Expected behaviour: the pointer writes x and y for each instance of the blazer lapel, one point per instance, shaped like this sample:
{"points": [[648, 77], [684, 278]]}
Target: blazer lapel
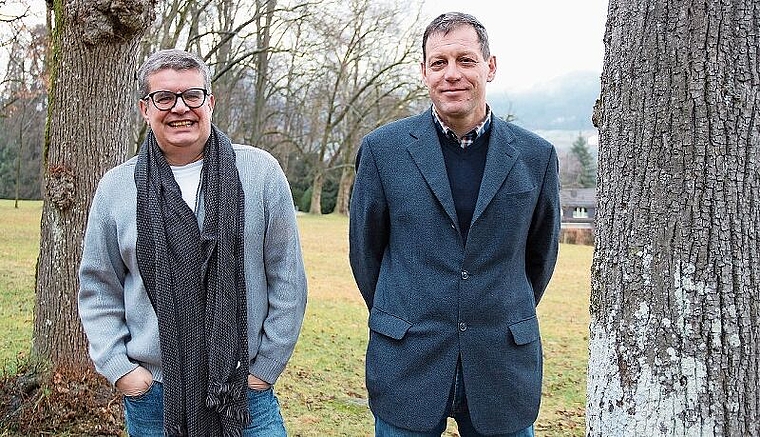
{"points": [[427, 155], [499, 161]]}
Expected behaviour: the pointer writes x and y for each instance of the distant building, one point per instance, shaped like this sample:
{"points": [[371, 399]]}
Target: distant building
{"points": [[578, 207]]}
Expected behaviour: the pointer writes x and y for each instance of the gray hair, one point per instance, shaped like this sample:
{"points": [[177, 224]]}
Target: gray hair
{"points": [[449, 21], [172, 59]]}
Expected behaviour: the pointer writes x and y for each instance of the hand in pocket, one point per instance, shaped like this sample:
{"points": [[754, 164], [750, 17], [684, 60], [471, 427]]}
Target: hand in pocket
{"points": [[136, 382], [257, 384]]}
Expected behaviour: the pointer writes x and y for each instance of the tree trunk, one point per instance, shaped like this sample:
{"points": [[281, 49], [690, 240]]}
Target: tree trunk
{"points": [[266, 10], [344, 190], [346, 182], [675, 308], [316, 192], [19, 158], [91, 93]]}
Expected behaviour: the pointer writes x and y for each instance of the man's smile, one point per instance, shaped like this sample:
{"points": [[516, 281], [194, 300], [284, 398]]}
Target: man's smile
{"points": [[183, 123]]}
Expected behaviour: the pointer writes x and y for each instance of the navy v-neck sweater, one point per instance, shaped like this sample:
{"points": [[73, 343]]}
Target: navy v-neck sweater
{"points": [[465, 170]]}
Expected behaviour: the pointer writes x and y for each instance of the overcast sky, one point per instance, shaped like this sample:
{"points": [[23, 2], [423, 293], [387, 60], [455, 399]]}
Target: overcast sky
{"points": [[533, 40], [536, 40]]}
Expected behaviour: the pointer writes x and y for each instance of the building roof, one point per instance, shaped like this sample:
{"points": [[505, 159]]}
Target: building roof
{"points": [[585, 197]]}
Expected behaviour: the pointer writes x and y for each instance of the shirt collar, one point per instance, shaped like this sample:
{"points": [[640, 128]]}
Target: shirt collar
{"points": [[468, 138]]}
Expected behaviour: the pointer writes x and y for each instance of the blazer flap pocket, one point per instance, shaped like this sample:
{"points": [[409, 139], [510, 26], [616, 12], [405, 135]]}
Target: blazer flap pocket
{"points": [[525, 331], [521, 190], [388, 324]]}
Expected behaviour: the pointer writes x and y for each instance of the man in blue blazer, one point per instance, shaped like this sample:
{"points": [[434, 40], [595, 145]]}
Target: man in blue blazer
{"points": [[454, 227]]}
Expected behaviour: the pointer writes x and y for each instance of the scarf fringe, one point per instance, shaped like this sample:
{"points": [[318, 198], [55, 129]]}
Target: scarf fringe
{"points": [[176, 431], [233, 433], [229, 400], [179, 431]]}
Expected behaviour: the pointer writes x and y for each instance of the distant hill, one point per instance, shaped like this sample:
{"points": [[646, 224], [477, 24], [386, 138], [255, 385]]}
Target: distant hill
{"points": [[564, 103]]}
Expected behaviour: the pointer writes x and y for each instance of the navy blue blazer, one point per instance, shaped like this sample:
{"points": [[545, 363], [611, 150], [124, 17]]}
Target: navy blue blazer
{"points": [[434, 299]]}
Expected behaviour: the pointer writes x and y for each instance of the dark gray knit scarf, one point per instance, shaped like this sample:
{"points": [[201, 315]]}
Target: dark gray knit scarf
{"points": [[195, 281]]}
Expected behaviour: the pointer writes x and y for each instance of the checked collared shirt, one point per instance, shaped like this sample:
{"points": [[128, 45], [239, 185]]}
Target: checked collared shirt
{"points": [[468, 138]]}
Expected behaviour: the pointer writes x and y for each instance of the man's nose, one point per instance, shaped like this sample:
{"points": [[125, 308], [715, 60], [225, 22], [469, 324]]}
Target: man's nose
{"points": [[180, 106], [452, 72]]}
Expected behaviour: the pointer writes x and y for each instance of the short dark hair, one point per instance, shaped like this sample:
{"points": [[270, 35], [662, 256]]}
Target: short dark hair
{"points": [[172, 59], [449, 21]]}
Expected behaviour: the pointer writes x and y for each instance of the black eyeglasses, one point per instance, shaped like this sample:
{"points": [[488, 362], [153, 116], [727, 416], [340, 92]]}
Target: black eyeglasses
{"points": [[166, 100]]}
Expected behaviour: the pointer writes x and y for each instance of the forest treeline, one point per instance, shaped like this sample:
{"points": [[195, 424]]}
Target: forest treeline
{"points": [[302, 80]]}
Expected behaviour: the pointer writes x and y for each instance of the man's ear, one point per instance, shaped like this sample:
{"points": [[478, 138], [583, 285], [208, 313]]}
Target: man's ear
{"points": [[491, 68], [423, 72], [143, 109]]}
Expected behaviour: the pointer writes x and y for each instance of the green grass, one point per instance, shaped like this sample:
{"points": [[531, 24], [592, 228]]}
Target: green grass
{"points": [[322, 390], [19, 245]]}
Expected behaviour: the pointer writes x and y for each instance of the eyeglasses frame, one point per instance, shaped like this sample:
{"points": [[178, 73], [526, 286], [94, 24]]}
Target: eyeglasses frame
{"points": [[177, 96]]}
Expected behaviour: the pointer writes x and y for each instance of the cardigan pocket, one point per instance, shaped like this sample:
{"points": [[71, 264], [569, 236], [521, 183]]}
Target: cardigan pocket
{"points": [[387, 324], [525, 331]]}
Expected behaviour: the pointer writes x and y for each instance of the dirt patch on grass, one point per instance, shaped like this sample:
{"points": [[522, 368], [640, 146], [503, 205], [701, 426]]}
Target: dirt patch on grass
{"points": [[36, 402], [565, 422]]}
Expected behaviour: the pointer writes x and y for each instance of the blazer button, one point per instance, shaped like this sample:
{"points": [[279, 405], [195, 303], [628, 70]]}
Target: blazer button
{"points": [[465, 275], [462, 326]]}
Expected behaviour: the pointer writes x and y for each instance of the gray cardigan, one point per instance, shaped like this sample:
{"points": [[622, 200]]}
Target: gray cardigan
{"points": [[117, 315]]}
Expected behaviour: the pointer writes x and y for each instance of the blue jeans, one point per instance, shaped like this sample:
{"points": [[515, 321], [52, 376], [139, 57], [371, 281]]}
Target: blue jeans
{"points": [[457, 409], [144, 414]]}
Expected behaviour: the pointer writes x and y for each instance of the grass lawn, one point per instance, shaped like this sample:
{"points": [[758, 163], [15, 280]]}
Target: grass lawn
{"points": [[322, 390], [19, 246]]}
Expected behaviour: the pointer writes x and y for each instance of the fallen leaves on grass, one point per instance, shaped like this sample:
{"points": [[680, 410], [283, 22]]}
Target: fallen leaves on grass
{"points": [[565, 422], [35, 401]]}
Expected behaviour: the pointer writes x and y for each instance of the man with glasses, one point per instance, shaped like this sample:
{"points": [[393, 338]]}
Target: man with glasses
{"points": [[192, 285]]}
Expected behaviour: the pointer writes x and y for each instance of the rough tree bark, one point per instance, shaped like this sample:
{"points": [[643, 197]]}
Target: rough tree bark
{"points": [[92, 90], [675, 309]]}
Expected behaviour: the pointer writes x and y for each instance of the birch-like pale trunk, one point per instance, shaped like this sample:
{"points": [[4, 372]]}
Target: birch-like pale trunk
{"points": [[675, 307]]}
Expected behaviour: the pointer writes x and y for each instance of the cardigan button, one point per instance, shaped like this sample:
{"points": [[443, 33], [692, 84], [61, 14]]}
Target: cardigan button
{"points": [[462, 326], [465, 275]]}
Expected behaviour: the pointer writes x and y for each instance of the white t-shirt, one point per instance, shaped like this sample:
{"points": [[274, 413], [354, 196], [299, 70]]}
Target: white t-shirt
{"points": [[188, 178]]}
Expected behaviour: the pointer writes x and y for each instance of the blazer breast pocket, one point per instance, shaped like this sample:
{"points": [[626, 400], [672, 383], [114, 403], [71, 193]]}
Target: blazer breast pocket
{"points": [[387, 324], [518, 189], [514, 204]]}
